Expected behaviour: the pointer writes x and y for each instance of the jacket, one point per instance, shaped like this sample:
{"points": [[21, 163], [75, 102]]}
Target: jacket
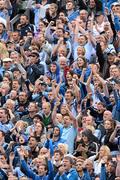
{"points": [[29, 173], [71, 175], [34, 71]]}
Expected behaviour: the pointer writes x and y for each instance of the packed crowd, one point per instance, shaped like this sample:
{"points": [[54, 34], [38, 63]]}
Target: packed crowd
{"points": [[60, 90]]}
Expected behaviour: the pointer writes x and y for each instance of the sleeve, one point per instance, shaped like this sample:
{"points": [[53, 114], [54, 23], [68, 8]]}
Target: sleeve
{"points": [[103, 172], [39, 70], [50, 170], [100, 56], [28, 172], [57, 177], [48, 145], [86, 174]]}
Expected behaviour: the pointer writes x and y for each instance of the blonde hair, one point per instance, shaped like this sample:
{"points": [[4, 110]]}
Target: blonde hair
{"points": [[63, 148], [106, 150], [91, 128]]}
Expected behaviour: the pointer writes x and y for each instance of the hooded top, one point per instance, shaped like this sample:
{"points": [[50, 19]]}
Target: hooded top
{"points": [[54, 145], [56, 75]]}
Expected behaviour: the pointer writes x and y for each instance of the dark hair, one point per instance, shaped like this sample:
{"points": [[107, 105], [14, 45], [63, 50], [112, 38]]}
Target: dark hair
{"points": [[58, 151], [6, 111], [24, 16]]}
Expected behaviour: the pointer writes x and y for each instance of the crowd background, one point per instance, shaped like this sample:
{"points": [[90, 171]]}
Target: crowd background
{"points": [[60, 90]]}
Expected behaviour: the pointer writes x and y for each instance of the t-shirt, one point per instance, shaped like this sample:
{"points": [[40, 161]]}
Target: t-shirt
{"points": [[69, 134]]}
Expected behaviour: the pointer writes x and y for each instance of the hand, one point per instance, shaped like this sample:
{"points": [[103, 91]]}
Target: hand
{"points": [[11, 144], [67, 108], [60, 40], [38, 6], [12, 155], [51, 23], [57, 103], [61, 170], [117, 128], [47, 155], [118, 157], [19, 26], [21, 153]]}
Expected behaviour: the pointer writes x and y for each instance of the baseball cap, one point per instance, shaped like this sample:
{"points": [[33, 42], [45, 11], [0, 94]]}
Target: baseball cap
{"points": [[7, 60]]}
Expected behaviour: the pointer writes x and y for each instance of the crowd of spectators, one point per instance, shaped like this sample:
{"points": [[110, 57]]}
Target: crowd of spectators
{"points": [[60, 90]]}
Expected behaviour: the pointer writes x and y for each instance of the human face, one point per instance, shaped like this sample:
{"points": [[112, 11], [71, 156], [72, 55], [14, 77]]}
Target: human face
{"points": [[1, 28], [14, 56], [62, 51], [89, 120], [61, 15], [52, 9], [33, 58], [67, 121], [43, 151], [107, 115], [100, 108], [46, 108], [41, 25], [59, 33], [1, 136], [7, 65], [92, 4], [2, 4], [117, 9], [111, 69], [3, 116], [79, 166], [36, 120], [10, 104], [89, 165], [6, 80], [57, 156], [69, 6], [32, 142], [107, 125], [62, 62], [15, 36], [13, 95], [41, 39], [15, 85], [80, 62], [56, 131], [67, 165], [111, 58], [116, 72], [53, 68], [85, 139], [63, 109], [23, 20], [81, 40], [68, 96], [41, 170], [59, 118], [100, 19], [32, 107], [101, 152], [50, 96], [112, 99], [110, 168], [80, 51], [17, 75], [38, 127], [83, 15], [68, 76], [22, 97]]}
